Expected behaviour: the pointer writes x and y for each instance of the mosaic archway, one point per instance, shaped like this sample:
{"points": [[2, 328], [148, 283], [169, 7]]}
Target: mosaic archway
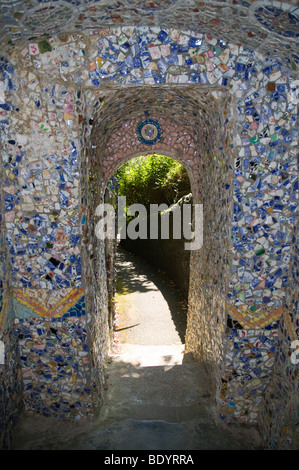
{"points": [[51, 86], [194, 132], [174, 141]]}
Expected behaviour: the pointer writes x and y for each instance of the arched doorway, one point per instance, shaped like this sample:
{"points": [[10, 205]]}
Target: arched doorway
{"points": [[163, 224], [156, 189], [162, 186]]}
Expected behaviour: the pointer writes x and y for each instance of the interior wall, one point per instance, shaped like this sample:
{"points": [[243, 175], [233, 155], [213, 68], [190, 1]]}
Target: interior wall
{"points": [[209, 281]]}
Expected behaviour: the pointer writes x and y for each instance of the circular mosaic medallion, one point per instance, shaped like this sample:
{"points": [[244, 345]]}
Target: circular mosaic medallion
{"points": [[149, 131]]}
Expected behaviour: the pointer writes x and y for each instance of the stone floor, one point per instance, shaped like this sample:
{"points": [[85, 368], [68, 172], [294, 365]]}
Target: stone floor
{"points": [[157, 397]]}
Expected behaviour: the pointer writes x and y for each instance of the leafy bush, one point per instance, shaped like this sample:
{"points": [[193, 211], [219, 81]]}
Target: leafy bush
{"points": [[152, 179]]}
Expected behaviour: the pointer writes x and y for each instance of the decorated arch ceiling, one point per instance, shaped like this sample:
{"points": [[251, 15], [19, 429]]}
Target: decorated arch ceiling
{"points": [[184, 122], [190, 105], [270, 26]]}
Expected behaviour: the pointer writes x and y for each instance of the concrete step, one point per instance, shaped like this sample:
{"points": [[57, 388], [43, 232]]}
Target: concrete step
{"points": [[132, 434], [169, 389]]}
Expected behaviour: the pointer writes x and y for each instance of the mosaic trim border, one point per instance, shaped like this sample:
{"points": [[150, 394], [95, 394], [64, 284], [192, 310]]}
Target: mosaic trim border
{"points": [[259, 319], [59, 309], [289, 326]]}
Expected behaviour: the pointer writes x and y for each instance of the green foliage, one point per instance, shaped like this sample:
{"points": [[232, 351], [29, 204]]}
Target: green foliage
{"points": [[152, 179]]}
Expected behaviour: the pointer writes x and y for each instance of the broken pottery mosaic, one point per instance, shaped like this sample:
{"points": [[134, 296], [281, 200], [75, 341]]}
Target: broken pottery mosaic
{"points": [[85, 87]]}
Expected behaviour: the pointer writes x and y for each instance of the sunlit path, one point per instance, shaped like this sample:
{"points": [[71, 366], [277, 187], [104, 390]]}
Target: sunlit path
{"points": [[151, 315]]}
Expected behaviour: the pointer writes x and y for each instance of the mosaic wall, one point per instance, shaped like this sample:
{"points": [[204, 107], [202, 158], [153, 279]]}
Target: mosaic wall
{"points": [[56, 94], [57, 348], [265, 26], [281, 397]]}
